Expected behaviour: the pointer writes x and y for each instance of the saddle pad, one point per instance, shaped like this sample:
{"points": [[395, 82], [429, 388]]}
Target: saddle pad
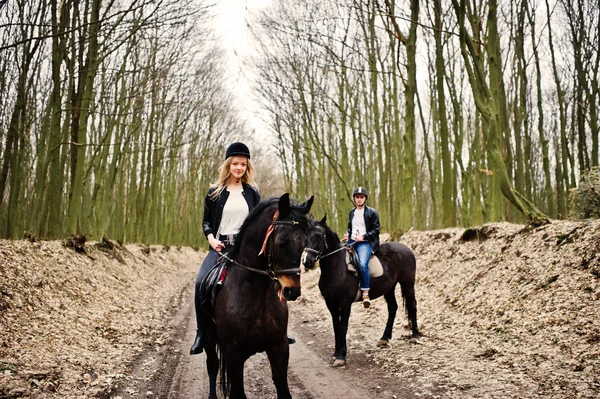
{"points": [[375, 268]]}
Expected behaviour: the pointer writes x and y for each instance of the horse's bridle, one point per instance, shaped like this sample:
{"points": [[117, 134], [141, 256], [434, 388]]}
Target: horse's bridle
{"points": [[268, 246], [319, 252]]}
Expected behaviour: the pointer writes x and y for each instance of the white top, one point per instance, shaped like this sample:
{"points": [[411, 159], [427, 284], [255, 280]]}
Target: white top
{"points": [[234, 213], [358, 224]]}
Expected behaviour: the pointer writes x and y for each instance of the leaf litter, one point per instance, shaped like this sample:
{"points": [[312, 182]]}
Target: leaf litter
{"points": [[505, 311]]}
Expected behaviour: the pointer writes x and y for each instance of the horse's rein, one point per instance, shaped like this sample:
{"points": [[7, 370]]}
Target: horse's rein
{"points": [[318, 253], [264, 272]]}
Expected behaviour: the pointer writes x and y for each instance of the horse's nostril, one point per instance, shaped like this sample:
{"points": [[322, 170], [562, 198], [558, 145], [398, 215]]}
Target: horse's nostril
{"points": [[291, 294]]}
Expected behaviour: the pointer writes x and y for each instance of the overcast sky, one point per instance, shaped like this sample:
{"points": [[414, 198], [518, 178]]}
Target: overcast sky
{"points": [[231, 25]]}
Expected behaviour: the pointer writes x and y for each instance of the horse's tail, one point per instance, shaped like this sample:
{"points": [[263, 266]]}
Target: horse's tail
{"points": [[410, 305], [225, 383], [403, 291]]}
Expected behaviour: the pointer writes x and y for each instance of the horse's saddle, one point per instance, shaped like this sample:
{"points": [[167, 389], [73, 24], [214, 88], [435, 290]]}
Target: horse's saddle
{"points": [[375, 268], [352, 264], [211, 285]]}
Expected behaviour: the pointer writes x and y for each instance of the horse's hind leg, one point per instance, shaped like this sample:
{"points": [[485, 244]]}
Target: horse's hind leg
{"points": [[212, 366], [279, 359], [392, 305], [408, 292]]}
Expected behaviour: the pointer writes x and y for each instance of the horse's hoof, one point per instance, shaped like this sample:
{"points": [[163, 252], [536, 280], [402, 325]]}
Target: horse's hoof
{"points": [[414, 340], [383, 343], [339, 363]]}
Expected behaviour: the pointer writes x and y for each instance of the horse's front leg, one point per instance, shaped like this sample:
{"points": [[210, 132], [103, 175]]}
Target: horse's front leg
{"points": [[343, 333], [212, 366], [334, 310], [340, 315], [235, 374], [279, 357]]}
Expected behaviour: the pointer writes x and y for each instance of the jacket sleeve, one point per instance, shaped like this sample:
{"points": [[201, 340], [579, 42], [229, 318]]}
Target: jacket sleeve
{"points": [[374, 226], [349, 229], [207, 226]]}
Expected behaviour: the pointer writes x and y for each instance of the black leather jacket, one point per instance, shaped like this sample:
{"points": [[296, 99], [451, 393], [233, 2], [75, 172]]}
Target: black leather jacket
{"points": [[213, 209], [372, 224]]}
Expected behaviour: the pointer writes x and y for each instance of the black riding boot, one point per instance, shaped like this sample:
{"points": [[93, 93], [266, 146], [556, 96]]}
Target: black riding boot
{"points": [[197, 347], [291, 340]]}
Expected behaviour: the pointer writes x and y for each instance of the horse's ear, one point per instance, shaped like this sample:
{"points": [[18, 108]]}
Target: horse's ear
{"points": [[324, 220], [306, 206], [284, 206]]}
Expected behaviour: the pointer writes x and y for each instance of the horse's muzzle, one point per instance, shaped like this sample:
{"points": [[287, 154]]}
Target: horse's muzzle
{"points": [[291, 293], [289, 288], [308, 260], [308, 263]]}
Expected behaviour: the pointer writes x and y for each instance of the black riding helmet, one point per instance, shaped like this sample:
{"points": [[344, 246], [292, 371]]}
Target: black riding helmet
{"points": [[237, 149], [360, 190]]}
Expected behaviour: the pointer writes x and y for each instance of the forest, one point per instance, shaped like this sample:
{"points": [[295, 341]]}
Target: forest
{"points": [[114, 114]]}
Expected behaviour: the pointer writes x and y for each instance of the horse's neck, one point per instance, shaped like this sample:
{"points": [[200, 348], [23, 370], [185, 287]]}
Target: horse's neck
{"points": [[334, 263], [239, 278], [245, 282], [250, 262]]}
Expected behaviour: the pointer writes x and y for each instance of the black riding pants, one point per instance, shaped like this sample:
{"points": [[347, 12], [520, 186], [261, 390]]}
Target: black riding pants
{"points": [[211, 259]]}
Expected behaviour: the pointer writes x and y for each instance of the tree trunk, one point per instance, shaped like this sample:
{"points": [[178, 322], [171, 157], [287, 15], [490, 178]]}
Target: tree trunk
{"points": [[485, 102], [449, 218], [562, 185], [74, 220], [549, 194], [53, 206]]}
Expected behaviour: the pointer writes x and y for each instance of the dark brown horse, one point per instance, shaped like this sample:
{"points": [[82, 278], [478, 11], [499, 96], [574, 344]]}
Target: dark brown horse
{"points": [[251, 312], [340, 288]]}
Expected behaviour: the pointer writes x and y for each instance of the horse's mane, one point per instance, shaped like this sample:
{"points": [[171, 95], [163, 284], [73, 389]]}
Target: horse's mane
{"points": [[330, 235], [295, 214]]}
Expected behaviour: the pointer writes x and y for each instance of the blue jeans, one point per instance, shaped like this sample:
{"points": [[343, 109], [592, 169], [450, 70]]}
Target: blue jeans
{"points": [[363, 250]]}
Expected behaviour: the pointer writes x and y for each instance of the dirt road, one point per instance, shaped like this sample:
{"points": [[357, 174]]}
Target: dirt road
{"points": [[171, 373]]}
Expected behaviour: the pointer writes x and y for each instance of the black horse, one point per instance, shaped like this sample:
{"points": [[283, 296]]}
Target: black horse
{"points": [[251, 312], [340, 287]]}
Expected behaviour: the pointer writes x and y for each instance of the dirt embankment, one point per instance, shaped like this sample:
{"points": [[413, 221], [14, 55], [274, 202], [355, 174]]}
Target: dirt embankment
{"points": [[504, 312], [510, 312], [71, 324]]}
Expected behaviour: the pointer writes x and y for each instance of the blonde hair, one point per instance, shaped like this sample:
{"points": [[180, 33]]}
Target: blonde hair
{"points": [[225, 174]]}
